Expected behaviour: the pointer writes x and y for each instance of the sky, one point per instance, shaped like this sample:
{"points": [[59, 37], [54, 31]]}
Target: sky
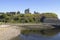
{"points": [[34, 5]]}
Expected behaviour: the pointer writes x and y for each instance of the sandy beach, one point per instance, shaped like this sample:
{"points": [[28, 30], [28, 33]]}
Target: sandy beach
{"points": [[7, 32]]}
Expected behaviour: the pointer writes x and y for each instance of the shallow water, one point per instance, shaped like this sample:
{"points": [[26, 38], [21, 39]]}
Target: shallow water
{"points": [[48, 35]]}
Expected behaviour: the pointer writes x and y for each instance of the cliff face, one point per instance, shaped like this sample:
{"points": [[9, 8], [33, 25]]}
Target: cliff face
{"points": [[51, 20]]}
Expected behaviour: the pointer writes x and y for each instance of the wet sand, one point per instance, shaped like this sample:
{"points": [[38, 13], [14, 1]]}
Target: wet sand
{"points": [[7, 32]]}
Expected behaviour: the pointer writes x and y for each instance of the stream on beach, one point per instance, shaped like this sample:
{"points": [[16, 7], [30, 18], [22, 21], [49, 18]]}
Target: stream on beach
{"points": [[46, 35], [15, 33]]}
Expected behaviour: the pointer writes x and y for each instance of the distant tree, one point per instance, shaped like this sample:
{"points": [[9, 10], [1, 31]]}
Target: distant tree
{"points": [[2, 16], [36, 12], [18, 12], [27, 11], [16, 18], [21, 15], [26, 18]]}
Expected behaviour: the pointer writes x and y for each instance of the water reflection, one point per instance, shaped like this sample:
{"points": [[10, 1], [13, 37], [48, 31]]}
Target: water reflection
{"points": [[50, 32], [45, 35], [17, 38]]}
